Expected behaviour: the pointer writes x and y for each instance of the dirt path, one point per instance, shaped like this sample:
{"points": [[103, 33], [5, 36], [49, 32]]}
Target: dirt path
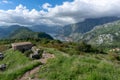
{"points": [[28, 75]]}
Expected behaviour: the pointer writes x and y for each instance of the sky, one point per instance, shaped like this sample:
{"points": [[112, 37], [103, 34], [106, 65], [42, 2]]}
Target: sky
{"points": [[30, 4], [55, 12]]}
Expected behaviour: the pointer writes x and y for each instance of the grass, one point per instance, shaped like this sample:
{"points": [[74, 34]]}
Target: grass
{"points": [[80, 67], [17, 65], [66, 65]]}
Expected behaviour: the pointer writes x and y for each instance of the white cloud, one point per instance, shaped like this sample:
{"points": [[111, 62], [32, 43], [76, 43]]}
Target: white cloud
{"points": [[68, 12], [46, 6], [5, 2]]}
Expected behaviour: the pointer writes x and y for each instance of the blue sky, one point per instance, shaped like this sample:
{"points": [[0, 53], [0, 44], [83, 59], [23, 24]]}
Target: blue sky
{"points": [[30, 4], [55, 12]]}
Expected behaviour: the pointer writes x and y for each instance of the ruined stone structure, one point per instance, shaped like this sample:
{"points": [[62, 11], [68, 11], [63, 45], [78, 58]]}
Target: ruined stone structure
{"points": [[22, 46]]}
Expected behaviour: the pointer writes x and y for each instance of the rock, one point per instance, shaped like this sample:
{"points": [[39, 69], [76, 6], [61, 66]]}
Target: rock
{"points": [[3, 67], [1, 56], [35, 56]]}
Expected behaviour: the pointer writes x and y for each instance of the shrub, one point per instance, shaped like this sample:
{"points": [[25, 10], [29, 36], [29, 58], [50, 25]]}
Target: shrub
{"points": [[83, 47], [114, 56], [3, 48], [28, 52]]}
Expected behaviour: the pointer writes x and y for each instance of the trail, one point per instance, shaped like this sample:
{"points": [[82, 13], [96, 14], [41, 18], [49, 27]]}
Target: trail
{"points": [[43, 60]]}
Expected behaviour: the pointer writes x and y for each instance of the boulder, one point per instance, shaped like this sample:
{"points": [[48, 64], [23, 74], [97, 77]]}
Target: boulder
{"points": [[3, 67], [1, 56], [35, 56]]}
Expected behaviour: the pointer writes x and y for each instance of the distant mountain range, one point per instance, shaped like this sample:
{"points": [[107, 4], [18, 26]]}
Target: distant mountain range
{"points": [[2, 32], [5, 31], [75, 31], [24, 33], [46, 29], [21, 32], [103, 30], [100, 31]]}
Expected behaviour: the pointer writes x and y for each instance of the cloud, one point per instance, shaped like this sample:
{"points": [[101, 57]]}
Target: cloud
{"points": [[5, 2], [67, 13], [82, 9], [46, 6]]}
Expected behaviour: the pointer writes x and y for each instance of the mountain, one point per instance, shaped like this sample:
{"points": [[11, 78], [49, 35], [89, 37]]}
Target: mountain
{"points": [[2, 32], [69, 32], [76, 30], [11, 28], [24, 33], [46, 29], [6, 30], [107, 34]]}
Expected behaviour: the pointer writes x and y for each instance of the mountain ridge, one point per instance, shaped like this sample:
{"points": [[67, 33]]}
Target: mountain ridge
{"points": [[75, 30], [6, 30], [107, 34], [25, 33]]}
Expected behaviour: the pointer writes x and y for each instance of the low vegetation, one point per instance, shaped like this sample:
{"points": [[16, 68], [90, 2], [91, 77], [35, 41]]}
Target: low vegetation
{"points": [[73, 61], [17, 64], [82, 67]]}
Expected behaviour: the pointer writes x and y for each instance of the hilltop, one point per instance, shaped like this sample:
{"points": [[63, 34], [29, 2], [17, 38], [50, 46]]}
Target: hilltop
{"points": [[76, 61]]}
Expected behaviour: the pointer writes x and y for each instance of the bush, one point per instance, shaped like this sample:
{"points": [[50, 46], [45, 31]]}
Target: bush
{"points": [[114, 56], [28, 52], [3, 48], [83, 47]]}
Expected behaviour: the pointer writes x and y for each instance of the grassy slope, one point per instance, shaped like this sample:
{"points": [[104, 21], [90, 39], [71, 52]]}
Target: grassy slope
{"points": [[17, 65], [84, 67]]}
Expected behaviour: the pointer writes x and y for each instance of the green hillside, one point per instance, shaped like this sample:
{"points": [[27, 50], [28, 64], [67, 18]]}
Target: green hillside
{"points": [[72, 61], [17, 64], [80, 67], [24, 33]]}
